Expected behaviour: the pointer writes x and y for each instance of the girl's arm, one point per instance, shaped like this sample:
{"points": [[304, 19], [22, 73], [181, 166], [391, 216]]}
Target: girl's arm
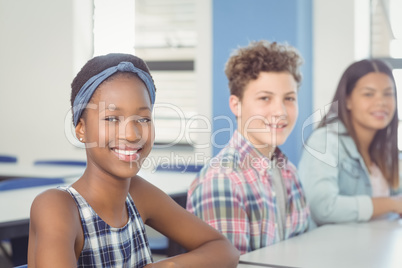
{"points": [[206, 246], [53, 232], [319, 170]]}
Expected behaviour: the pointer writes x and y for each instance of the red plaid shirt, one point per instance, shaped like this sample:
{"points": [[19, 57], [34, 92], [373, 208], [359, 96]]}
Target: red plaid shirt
{"points": [[234, 193]]}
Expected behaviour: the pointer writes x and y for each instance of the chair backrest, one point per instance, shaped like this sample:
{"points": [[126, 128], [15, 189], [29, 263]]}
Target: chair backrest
{"points": [[8, 159], [19, 183], [61, 162], [179, 168]]}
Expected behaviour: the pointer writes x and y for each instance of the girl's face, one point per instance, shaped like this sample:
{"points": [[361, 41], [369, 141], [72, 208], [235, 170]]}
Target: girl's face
{"points": [[372, 102], [118, 131]]}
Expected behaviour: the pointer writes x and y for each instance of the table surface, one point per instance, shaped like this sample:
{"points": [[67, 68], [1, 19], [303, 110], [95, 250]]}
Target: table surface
{"points": [[244, 265], [11, 170], [357, 245]]}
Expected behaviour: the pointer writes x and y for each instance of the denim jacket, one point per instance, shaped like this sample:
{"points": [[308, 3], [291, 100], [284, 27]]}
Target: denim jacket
{"points": [[335, 178]]}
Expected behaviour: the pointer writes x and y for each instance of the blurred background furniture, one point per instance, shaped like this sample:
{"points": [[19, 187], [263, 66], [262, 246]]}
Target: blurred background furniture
{"points": [[19, 244], [8, 159], [61, 162]]}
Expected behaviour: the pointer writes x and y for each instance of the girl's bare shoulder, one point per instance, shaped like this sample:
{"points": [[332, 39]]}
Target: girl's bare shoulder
{"points": [[54, 206]]}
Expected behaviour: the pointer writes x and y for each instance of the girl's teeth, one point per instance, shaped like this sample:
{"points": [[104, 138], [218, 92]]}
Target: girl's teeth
{"points": [[125, 152]]}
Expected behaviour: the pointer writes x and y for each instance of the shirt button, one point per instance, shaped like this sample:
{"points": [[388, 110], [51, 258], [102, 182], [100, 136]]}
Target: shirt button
{"points": [[273, 194]]}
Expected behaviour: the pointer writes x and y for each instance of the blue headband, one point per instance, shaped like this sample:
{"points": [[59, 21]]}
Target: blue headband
{"points": [[88, 89]]}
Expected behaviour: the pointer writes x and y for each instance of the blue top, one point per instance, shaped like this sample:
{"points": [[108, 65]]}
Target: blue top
{"points": [[335, 177], [107, 246]]}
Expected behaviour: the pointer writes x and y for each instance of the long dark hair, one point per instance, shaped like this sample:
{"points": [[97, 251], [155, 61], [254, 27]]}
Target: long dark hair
{"points": [[383, 149]]}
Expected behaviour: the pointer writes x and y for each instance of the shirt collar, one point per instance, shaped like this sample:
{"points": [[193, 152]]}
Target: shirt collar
{"points": [[344, 137], [248, 156]]}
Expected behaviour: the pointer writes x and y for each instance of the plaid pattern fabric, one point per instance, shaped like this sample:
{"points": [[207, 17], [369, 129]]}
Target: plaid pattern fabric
{"points": [[106, 246], [234, 194]]}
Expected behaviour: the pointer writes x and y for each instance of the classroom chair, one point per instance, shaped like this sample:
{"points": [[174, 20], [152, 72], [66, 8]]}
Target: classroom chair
{"points": [[19, 245], [19, 183], [8, 159], [161, 244], [61, 162], [158, 243]]}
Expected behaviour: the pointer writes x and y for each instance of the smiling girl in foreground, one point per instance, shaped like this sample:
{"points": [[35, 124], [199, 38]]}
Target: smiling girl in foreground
{"points": [[98, 221]]}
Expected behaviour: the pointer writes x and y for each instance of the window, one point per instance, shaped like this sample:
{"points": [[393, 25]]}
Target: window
{"points": [[163, 33]]}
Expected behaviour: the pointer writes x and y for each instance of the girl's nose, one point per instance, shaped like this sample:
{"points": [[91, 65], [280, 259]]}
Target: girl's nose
{"points": [[130, 130]]}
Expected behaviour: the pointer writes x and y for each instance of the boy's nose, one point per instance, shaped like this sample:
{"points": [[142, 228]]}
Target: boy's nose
{"points": [[278, 110]]}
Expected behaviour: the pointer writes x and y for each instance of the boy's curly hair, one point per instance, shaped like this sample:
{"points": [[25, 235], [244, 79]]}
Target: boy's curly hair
{"points": [[246, 63]]}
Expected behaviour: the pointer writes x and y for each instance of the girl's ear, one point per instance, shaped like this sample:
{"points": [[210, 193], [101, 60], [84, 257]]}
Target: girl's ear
{"points": [[235, 105], [348, 105], [80, 130]]}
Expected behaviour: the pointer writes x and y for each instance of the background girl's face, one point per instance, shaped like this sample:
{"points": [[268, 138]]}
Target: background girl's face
{"points": [[119, 132], [372, 103]]}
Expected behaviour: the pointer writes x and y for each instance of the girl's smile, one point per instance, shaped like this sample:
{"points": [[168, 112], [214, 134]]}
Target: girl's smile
{"points": [[126, 154]]}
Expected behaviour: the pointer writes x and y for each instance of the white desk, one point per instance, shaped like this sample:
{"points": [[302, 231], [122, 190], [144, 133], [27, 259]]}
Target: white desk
{"points": [[12, 170], [15, 204], [243, 265], [172, 183], [375, 244]]}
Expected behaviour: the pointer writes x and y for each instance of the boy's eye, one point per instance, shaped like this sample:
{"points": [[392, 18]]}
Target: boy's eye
{"points": [[290, 98]]}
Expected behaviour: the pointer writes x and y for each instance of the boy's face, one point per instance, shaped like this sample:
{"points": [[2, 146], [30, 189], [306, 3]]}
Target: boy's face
{"points": [[268, 110], [118, 130]]}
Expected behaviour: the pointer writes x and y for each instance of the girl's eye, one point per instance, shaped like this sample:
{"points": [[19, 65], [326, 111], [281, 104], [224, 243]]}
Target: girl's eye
{"points": [[111, 119], [389, 94], [264, 98], [144, 120]]}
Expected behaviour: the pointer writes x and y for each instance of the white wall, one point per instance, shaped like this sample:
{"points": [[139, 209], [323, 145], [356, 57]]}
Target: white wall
{"points": [[38, 51], [340, 37]]}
